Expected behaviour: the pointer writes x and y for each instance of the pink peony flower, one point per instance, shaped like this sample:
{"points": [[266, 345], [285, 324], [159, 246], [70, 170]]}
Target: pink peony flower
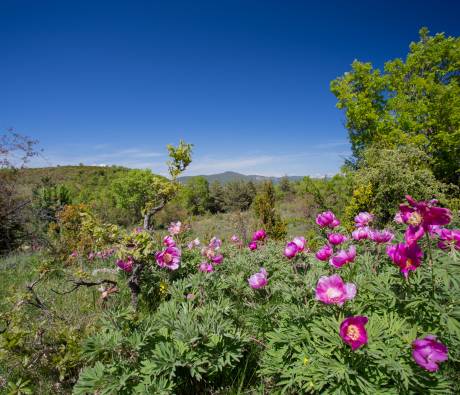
{"points": [[332, 290], [193, 244], [300, 242], [343, 257], [327, 218], [126, 265], [258, 280], [259, 235], [449, 238], [91, 256], [428, 352], [215, 243], [361, 233], [206, 267], [235, 239], [324, 253], [190, 296], [363, 219], [252, 245], [399, 218], [175, 228], [169, 241], [336, 238], [169, 258], [208, 252], [74, 254], [353, 332], [420, 216], [434, 230], [406, 256], [291, 249], [217, 259], [381, 236]]}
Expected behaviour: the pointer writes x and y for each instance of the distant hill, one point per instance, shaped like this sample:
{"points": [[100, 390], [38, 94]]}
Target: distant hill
{"points": [[85, 180], [233, 176], [81, 180]]}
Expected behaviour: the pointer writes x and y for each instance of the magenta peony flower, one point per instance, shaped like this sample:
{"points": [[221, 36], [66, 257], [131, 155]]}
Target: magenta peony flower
{"points": [[215, 243], [363, 219], [332, 290], [336, 238], [175, 228], [420, 216], [300, 242], [406, 256], [170, 258], [428, 352], [206, 267], [449, 238], [126, 265], [291, 250], [217, 259], [361, 233], [259, 235], [353, 332], [324, 253], [252, 245], [343, 257], [258, 280], [327, 218], [193, 244], [169, 241], [381, 236]]}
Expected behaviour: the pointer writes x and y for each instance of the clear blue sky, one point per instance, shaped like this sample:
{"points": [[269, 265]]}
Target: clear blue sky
{"points": [[247, 82]]}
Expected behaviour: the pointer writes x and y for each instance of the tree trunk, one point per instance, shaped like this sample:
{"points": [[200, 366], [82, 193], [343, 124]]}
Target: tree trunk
{"points": [[134, 284]]}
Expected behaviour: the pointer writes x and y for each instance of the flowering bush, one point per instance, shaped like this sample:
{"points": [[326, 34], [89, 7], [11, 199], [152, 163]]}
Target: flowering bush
{"points": [[366, 315]]}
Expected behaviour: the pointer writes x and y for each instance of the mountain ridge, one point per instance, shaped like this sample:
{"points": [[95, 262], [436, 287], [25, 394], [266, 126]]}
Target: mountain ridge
{"points": [[228, 176]]}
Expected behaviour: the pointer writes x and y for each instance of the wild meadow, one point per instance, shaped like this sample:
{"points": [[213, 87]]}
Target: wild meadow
{"points": [[121, 281]]}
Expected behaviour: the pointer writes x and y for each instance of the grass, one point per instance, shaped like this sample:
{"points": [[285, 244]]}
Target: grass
{"points": [[46, 339]]}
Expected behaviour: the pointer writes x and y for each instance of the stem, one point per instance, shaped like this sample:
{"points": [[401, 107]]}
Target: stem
{"points": [[377, 258], [430, 262]]}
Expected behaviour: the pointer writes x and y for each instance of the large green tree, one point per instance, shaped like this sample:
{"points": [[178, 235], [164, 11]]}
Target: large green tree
{"points": [[413, 101], [196, 195]]}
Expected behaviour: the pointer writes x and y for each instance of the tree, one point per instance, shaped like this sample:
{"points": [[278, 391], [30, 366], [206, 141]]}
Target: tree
{"points": [[15, 152], [239, 195], [264, 207], [49, 199], [285, 184], [196, 195], [146, 193], [216, 197], [413, 101], [385, 176], [133, 189]]}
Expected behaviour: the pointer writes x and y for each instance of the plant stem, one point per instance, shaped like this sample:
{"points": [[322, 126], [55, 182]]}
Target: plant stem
{"points": [[430, 262]]}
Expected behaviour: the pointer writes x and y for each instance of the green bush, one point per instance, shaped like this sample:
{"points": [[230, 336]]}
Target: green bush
{"points": [[385, 176]]}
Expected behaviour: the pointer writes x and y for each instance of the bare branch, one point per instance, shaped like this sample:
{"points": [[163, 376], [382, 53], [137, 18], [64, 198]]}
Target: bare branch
{"points": [[82, 283]]}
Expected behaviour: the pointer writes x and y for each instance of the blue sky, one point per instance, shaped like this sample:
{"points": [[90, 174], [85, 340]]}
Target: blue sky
{"points": [[247, 82]]}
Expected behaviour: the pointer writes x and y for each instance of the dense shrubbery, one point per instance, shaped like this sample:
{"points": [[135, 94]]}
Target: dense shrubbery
{"points": [[229, 325]]}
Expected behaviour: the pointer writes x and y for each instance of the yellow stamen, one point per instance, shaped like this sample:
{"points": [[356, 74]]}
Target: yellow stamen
{"points": [[353, 332]]}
